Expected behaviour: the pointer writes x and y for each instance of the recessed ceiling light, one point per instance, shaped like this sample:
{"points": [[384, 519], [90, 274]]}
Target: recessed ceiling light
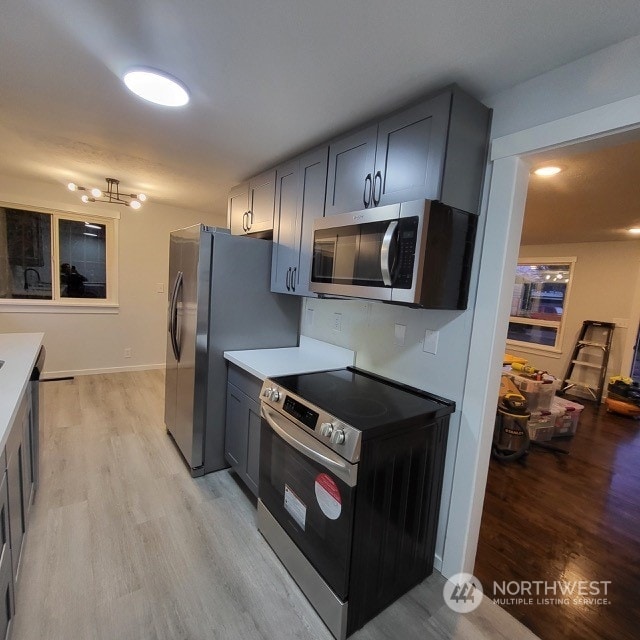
{"points": [[634, 230], [547, 171], [156, 87]]}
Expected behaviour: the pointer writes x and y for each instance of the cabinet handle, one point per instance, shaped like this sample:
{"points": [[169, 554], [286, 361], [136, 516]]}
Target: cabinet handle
{"points": [[250, 219], [293, 278], [377, 182], [367, 198], [287, 281], [244, 221]]}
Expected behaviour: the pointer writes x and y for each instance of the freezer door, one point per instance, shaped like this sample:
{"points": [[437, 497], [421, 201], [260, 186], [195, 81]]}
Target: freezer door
{"points": [[190, 341], [171, 372]]}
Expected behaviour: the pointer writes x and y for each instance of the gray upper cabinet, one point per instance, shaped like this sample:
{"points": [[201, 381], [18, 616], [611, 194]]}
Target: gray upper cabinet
{"points": [[434, 150], [238, 209], [250, 205], [350, 172], [286, 241], [300, 197]]}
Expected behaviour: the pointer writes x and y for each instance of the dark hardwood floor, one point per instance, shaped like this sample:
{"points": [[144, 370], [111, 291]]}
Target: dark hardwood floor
{"points": [[553, 517]]}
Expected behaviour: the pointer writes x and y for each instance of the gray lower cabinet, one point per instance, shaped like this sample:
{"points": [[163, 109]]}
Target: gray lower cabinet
{"points": [[300, 193], [434, 150], [19, 485], [6, 572], [242, 429], [17, 489]]}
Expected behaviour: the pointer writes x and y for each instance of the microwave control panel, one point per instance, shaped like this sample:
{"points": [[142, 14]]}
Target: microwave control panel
{"points": [[407, 241]]}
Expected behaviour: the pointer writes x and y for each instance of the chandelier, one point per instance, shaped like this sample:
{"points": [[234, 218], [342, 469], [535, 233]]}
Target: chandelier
{"points": [[111, 195]]}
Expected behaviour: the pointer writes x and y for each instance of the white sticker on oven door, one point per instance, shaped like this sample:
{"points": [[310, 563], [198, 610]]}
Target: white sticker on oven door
{"points": [[295, 507], [328, 496]]}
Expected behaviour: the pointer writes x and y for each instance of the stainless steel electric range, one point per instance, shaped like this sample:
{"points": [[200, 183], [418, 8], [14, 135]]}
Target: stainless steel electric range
{"points": [[351, 471]]}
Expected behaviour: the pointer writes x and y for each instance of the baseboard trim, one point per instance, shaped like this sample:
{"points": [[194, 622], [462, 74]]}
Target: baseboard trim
{"points": [[72, 373], [437, 563]]}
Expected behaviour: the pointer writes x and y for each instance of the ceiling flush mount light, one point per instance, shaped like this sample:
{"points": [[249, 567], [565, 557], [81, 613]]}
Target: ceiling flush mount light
{"points": [[547, 171], [157, 87], [112, 195], [634, 230]]}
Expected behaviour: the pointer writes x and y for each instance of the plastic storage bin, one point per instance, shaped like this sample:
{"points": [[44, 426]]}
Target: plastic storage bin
{"points": [[539, 394], [567, 416], [541, 426]]}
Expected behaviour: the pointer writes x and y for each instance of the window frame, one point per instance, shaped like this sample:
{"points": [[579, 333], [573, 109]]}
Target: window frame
{"points": [[59, 304], [555, 350]]}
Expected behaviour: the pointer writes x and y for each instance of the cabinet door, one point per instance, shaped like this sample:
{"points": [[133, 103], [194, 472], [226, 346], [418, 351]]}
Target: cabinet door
{"points": [[285, 228], [238, 209], [262, 190], [410, 153], [312, 179], [16, 499], [6, 576], [350, 174], [27, 452], [253, 446], [235, 442]]}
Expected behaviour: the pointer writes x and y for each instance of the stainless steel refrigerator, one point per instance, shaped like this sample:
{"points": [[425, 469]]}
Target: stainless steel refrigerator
{"points": [[219, 300]]}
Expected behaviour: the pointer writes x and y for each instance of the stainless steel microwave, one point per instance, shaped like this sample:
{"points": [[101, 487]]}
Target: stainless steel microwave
{"points": [[415, 253]]}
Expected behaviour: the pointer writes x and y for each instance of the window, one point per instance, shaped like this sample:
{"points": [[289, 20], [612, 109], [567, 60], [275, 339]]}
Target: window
{"points": [[54, 258], [539, 303]]}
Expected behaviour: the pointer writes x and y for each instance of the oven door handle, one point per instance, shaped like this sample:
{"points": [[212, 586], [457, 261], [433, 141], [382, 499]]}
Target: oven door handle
{"points": [[308, 446]]}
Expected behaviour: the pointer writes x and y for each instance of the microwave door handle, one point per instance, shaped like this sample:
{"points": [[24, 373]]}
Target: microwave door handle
{"points": [[307, 446], [385, 253]]}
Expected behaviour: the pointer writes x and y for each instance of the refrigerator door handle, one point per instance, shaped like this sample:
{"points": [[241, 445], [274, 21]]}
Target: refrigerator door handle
{"points": [[171, 300], [174, 317]]}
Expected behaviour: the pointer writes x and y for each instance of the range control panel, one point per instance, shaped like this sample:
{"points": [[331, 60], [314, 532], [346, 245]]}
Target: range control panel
{"points": [[342, 438]]}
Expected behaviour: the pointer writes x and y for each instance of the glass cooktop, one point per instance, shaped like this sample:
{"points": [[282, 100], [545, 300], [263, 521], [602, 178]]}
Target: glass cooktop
{"points": [[364, 400]]}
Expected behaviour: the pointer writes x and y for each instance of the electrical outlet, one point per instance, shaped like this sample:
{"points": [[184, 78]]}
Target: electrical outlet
{"points": [[309, 317], [127, 352], [430, 344], [160, 287], [399, 334], [337, 322]]}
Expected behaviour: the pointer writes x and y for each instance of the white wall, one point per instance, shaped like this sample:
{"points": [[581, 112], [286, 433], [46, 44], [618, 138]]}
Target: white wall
{"points": [[88, 342], [601, 78], [605, 278]]}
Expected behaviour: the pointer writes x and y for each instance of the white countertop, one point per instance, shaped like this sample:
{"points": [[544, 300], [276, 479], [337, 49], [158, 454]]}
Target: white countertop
{"points": [[19, 352], [311, 355]]}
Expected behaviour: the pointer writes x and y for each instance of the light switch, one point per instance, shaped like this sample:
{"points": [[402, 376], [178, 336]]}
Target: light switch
{"points": [[160, 287]]}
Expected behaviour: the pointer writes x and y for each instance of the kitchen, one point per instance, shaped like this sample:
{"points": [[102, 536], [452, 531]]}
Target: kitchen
{"points": [[369, 326]]}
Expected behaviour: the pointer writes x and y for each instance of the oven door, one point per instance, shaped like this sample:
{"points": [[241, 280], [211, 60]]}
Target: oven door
{"points": [[310, 491]]}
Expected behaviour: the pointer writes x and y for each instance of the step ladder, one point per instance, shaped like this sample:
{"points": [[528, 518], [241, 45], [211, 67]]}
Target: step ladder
{"points": [[586, 345]]}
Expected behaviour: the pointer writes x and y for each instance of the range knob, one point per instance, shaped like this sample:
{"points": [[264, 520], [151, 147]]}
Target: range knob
{"points": [[337, 437], [326, 429], [274, 396], [267, 392]]}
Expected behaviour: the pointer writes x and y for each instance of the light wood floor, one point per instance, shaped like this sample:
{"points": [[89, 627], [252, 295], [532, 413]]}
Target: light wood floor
{"points": [[124, 544]]}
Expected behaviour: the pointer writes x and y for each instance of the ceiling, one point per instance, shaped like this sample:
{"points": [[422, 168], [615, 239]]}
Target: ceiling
{"points": [[268, 79], [595, 198]]}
